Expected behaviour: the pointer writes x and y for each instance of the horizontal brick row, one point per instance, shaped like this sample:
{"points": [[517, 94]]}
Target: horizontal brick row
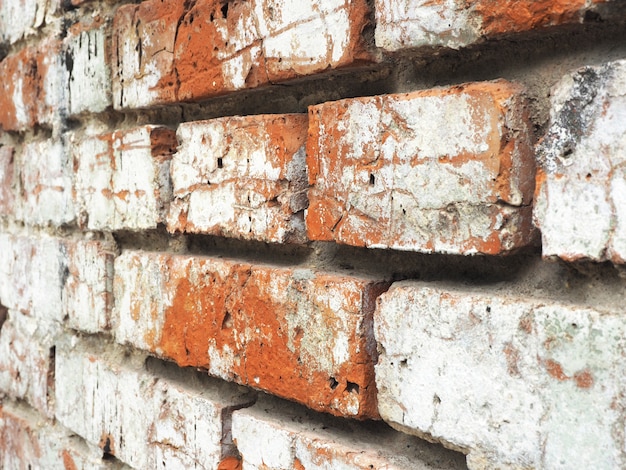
{"points": [[513, 382], [274, 434], [296, 333], [28, 442], [146, 416]]}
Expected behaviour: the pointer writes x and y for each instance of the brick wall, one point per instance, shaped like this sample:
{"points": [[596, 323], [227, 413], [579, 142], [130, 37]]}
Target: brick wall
{"points": [[288, 234]]}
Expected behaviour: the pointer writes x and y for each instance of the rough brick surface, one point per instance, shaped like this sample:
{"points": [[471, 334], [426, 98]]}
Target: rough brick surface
{"points": [[277, 435], [31, 276], [87, 292], [296, 333], [403, 24], [20, 18], [8, 180], [514, 382], [143, 418], [445, 170], [27, 361], [581, 185], [32, 90], [28, 442], [87, 63], [242, 177], [122, 178], [175, 51], [46, 183]]}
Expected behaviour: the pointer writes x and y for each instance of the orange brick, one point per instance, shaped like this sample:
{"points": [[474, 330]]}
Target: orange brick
{"points": [[166, 51], [31, 90], [242, 177], [295, 333], [445, 170]]}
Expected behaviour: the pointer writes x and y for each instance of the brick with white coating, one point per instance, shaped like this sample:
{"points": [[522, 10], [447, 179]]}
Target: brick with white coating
{"points": [[513, 382], [242, 177], [171, 51], [33, 89], [21, 18], [139, 414], [27, 441], [444, 170], [581, 183], [31, 276], [86, 59], [46, 183], [410, 24], [299, 334], [8, 180], [27, 361], [122, 178], [278, 435], [87, 291]]}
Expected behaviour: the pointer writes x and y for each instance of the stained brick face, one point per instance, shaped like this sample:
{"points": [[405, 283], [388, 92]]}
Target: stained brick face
{"points": [[286, 234]]}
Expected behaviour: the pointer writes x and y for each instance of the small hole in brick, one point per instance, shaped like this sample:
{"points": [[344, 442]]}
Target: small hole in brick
{"points": [[588, 177], [372, 178], [333, 383], [404, 363], [227, 322], [436, 399], [567, 151], [208, 182], [488, 309], [4, 312], [351, 387], [220, 162], [225, 10]]}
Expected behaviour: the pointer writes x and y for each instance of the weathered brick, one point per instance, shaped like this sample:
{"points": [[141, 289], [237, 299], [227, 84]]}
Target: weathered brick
{"points": [[27, 361], [8, 181], [445, 170], [28, 442], [147, 416], [20, 18], [242, 177], [514, 382], [404, 24], [87, 292], [299, 334], [273, 434], [168, 51], [31, 275], [32, 90], [46, 182], [86, 59], [122, 178], [581, 183]]}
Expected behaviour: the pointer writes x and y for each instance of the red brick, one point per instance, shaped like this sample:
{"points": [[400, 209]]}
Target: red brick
{"points": [[242, 177], [445, 170], [7, 180], [166, 51], [402, 24], [31, 90], [296, 333]]}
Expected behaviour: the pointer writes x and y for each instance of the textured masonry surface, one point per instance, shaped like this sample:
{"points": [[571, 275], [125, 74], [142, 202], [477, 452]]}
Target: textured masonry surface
{"points": [[306, 235]]}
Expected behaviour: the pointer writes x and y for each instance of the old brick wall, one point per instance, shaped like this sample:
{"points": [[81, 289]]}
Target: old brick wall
{"points": [[321, 234]]}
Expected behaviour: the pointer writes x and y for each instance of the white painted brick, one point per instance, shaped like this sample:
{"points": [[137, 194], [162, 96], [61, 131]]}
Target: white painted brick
{"points": [[582, 183], [515, 383], [122, 179], [143, 417], [87, 293], [32, 274], [20, 18], [32, 443], [46, 183], [279, 435], [242, 177], [87, 64], [27, 361]]}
